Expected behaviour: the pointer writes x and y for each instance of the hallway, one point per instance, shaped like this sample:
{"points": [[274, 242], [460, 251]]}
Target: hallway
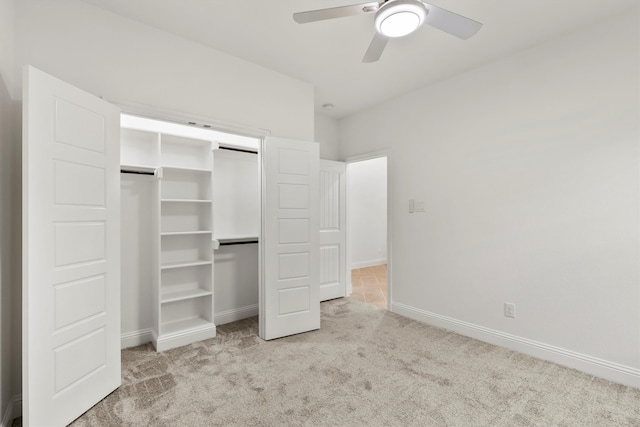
{"points": [[370, 285]]}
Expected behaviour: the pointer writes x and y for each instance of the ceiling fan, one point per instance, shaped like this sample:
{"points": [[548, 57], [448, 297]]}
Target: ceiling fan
{"points": [[396, 18]]}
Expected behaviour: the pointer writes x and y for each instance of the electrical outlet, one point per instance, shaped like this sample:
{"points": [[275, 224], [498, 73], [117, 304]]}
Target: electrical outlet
{"points": [[509, 309]]}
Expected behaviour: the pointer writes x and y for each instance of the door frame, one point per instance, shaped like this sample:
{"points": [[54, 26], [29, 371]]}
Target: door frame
{"points": [[386, 152]]}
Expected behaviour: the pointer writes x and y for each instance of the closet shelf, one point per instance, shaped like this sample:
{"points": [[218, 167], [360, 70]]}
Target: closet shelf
{"points": [[185, 169], [185, 233], [185, 325], [171, 265], [185, 201], [184, 295]]}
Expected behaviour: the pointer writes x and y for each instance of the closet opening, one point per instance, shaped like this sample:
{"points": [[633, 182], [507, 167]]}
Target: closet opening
{"points": [[190, 216]]}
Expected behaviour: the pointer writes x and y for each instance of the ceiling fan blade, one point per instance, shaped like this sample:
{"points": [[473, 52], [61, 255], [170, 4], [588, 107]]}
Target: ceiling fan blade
{"points": [[452, 23], [334, 12], [375, 48]]}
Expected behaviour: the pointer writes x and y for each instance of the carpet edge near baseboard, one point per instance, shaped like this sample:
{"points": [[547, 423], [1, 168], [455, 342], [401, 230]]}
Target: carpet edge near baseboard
{"points": [[605, 369]]}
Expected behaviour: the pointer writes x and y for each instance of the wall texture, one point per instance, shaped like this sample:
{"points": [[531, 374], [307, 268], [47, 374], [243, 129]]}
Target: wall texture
{"points": [[528, 167], [367, 199]]}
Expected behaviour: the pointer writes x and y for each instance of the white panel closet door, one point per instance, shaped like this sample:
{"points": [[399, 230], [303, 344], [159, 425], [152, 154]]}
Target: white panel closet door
{"points": [[333, 238], [289, 273], [71, 250]]}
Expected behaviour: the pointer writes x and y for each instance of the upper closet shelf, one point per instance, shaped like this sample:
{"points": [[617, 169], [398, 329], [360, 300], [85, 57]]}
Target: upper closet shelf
{"points": [[185, 201], [183, 169], [191, 130]]}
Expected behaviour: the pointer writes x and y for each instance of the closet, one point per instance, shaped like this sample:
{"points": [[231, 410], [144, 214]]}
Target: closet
{"points": [[188, 217], [78, 238]]}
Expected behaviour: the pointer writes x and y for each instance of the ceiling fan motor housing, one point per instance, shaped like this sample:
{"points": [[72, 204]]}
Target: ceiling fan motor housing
{"points": [[398, 18]]}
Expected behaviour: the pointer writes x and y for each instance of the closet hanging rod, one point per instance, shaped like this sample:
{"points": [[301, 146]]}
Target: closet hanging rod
{"points": [[241, 150], [137, 172], [248, 242]]}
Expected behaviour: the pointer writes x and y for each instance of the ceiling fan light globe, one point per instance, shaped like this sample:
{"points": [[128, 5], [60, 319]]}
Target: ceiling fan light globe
{"points": [[399, 18], [400, 24]]}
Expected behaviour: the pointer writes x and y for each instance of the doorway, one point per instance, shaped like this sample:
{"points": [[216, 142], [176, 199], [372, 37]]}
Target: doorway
{"points": [[368, 237]]}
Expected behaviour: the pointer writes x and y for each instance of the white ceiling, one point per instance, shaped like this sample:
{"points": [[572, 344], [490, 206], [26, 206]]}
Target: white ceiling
{"points": [[328, 54]]}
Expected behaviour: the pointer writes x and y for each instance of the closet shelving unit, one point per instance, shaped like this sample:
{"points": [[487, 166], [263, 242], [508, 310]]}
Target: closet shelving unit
{"points": [[183, 258]]}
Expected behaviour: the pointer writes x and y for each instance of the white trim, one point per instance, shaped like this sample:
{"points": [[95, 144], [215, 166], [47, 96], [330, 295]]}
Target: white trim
{"points": [[167, 342], [135, 338], [158, 113], [13, 411], [385, 152], [608, 370], [234, 314], [368, 263]]}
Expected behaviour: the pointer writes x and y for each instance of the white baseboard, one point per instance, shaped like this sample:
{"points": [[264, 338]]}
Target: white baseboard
{"points": [[369, 263], [592, 365], [135, 338], [178, 339], [12, 411], [234, 314]]}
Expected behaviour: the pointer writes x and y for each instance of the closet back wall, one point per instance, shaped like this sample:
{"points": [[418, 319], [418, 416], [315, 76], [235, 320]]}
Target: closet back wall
{"points": [[137, 207]]}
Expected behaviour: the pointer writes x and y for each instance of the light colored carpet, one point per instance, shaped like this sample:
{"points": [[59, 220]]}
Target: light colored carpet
{"points": [[364, 367]]}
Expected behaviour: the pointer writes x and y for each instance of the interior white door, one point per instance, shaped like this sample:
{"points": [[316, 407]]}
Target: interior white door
{"points": [[333, 234], [289, 243], [71, 250]]}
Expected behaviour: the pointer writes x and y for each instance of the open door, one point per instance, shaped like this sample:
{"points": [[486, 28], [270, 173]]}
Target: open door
{"points": [[71, 250], [289, 244], [333, 280]]}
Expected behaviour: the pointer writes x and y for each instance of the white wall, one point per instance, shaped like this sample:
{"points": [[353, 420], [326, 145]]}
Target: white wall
{"points": [[326, 133], [529, 170], [120, 59], [236, 192], [367, 193], [236, 282], [138, 206], [10, 248]]}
